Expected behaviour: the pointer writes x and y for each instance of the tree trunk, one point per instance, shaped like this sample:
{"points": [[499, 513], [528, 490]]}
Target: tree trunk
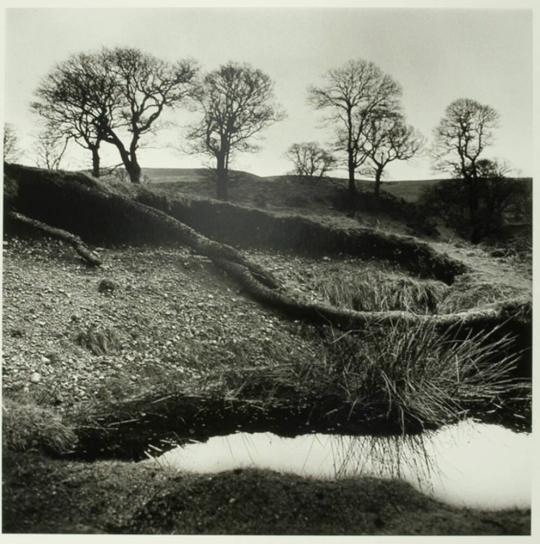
{"points": [[78, 245], [95, 162], [352, 185], [129, 159], [377, 188], [134, 170], [473, 210], [222, 191]]}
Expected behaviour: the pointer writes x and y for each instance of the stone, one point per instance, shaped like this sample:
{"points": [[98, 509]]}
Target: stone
{"points": [[106, 286]]}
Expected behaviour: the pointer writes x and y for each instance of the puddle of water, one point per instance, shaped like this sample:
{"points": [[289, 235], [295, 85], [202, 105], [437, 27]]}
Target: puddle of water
{"points": [[467, 464]]}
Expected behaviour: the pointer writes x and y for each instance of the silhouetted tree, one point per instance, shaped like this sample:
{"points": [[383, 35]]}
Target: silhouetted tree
{"points": [[237, 103], [353, 94], [460, 139], [144, 86], [387, 138], [310, 160], [11, 151], [113, 96]]}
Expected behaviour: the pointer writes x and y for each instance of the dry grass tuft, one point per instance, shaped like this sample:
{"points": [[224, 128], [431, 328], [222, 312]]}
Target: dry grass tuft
{"points": [[467, 292], [374, 291], [99, 341], [27, 426]]}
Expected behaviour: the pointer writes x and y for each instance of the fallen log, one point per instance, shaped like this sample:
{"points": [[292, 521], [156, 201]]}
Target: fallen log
{"points": [[78, 245]]}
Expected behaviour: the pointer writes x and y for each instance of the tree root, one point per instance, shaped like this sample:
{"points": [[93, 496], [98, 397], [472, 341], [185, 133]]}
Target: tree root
{"points": [[490, 315], [78, 245]]}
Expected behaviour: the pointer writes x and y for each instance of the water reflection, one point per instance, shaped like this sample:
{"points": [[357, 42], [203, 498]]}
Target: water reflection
{"points": [[467, 464]]}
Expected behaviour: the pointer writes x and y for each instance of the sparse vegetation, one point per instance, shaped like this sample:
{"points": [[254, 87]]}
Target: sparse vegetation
{"points": [[99, 341]]}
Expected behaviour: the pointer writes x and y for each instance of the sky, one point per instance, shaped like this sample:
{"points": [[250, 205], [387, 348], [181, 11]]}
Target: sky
{"points": [[437, 55]]}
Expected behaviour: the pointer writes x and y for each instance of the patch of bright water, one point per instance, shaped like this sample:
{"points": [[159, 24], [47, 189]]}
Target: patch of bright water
{"points": [[467, 464]]}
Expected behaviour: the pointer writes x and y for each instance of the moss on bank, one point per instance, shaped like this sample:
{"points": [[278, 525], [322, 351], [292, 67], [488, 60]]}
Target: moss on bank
{"points": [[112, 497]]}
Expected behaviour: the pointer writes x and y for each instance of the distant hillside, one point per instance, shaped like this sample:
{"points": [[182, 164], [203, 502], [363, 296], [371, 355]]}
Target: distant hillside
{"points": [[201, 180]]}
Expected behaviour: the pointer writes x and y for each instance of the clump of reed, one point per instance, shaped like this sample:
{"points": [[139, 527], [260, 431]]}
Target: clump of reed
{"points": [[374, 291], [27, 426]]}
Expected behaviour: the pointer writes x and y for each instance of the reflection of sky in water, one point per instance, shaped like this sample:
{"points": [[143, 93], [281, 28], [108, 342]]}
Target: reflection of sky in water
{"points": [[470, 464]]}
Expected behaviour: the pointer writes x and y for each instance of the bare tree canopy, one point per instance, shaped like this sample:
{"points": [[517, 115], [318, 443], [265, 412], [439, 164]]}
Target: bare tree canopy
{"points": [[460, 139], [462, 135], [145, 86], [113, 96], [10, 146], [351, 95], [237, 103], [387, 138], [78, 100], [310, 160]]}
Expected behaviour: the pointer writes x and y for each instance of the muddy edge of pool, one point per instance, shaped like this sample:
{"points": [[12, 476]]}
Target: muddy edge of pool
{"points": [[48, 496]]}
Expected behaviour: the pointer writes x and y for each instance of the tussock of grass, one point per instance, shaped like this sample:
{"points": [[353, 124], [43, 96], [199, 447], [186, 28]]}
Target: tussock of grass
{"points": [[422, 375], [374, 291], [99, 341], [467, 292], [27, 426], [410, 375]]}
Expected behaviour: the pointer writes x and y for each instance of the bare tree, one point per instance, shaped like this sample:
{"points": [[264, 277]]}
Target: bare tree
{"points": [[113, 96], [79, 99], [237, 103], [50, 149], [11, 151], [387, 138], [144, 86], [351, 95], [460, 139], [310, 160]]}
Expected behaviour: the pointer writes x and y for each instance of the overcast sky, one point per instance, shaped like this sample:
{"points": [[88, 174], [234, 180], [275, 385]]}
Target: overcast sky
{"points": [[437, 56]]}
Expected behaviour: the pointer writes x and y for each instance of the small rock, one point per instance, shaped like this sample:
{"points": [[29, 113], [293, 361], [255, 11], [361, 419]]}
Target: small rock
{"points": [[106, 286], [35, 377]]}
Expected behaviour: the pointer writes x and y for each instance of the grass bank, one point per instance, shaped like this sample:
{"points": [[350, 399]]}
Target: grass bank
{"points": [[49, 496], [257, 228]]}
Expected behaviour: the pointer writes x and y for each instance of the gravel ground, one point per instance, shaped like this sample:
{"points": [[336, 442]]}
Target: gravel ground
{"points": [[169, 315]]}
